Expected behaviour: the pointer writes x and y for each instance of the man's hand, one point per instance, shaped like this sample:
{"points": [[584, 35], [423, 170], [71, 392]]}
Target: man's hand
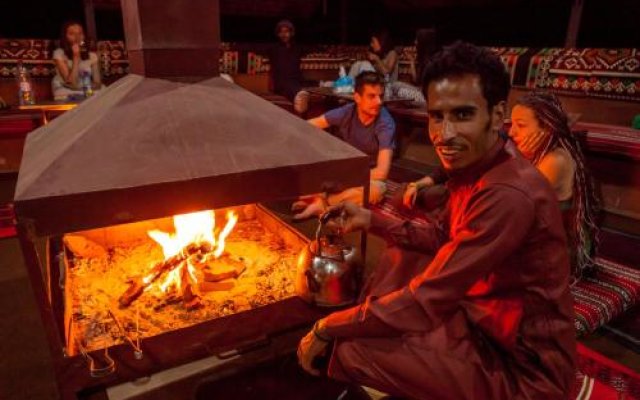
{"points": [[309, 349], [409, 197], [352, 217]]}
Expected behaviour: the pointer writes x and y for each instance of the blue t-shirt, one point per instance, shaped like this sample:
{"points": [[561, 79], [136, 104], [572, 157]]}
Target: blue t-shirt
{"points": [[368, 139]]}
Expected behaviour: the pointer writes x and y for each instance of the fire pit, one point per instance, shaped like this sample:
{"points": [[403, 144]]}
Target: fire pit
{"points": [[143, 279], [128, 279]]}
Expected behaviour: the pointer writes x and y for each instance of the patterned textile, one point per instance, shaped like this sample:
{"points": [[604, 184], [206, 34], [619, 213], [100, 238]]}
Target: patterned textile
{"points": [[257, 63], [611, 73], [229, 62], [608, 291], [601, 378], [35, 55], [113, 58], [509, 57]]}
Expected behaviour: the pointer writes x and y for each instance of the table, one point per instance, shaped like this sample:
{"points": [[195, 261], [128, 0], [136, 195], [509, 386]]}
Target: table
{"points": [[49, 106]]}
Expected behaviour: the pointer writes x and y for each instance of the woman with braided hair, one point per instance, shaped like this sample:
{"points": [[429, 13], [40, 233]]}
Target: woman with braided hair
{"points": [[541, 132]]}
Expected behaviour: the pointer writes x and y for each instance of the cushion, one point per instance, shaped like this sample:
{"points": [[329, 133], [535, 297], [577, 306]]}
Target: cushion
{"points": [[603, 294]]}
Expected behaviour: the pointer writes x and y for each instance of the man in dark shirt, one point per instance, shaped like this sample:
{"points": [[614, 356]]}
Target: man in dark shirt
{"points": [[490, 316], [286, 75], [366, 125]]}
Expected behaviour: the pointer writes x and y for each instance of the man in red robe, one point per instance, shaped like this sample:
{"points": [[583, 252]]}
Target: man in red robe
{"points": [[490, 315]]}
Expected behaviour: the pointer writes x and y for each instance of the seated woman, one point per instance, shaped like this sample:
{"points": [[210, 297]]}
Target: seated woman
{"points": [[73, 60], [425, 43], [540, 131], [382, 58]]}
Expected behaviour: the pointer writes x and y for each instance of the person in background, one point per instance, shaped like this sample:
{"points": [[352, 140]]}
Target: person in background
{"points": [[366, 125], [286, 76], [73, 59], [490, 316], [425, 44], [540, 131], [381, 57]]}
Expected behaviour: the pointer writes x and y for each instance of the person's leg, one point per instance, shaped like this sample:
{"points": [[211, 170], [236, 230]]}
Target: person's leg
{"points": [[360, 66], [377, 190], [448, 363]]}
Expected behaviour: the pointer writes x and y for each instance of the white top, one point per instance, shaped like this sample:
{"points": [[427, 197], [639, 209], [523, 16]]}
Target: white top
{"points": [[60, 90]]}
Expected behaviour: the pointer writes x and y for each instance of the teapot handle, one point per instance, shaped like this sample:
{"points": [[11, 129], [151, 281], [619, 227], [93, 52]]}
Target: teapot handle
{"points": [[312, 284], [324, 218]]}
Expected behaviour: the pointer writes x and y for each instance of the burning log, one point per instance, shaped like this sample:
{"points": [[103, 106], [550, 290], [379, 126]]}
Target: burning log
{"points": [[223, 268], [222, 286], [190, 300], [138, 285]]}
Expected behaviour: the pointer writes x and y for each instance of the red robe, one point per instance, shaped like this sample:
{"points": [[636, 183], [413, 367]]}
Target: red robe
{"points": [[489, 316]]}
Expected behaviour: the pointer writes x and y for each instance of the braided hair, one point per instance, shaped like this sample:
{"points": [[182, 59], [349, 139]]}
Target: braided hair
{"points": [[583, 229]]}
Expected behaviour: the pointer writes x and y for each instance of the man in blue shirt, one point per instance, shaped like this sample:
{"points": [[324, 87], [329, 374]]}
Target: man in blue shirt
{"points": [[366, 125]]}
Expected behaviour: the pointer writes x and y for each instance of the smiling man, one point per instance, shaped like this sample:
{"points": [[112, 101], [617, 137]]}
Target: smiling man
{"points": [[490, 316], [366, 125]]}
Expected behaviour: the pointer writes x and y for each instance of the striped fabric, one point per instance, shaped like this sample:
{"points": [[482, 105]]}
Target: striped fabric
{"points": [[388, 208], [600, 378], [607, 292]]}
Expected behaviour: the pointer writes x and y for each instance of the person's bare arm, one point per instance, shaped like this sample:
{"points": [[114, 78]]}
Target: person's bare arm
{"points": [[319, 122], [387, 65], [557, 168], [383, 165], [70, 75]]}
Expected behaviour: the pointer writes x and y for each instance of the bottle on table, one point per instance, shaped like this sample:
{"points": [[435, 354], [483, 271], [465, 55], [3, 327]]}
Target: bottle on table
{"points": [[25, 89], [87, 84]]}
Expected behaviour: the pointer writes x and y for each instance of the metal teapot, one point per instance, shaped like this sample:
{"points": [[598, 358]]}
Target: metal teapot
{"points": [[329, 271]]}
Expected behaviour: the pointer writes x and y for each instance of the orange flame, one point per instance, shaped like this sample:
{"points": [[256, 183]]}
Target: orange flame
{"points": [[197, 227]]}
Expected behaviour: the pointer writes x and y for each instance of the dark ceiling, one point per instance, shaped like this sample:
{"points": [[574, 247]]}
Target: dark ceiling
{"points": [[532, 23]]}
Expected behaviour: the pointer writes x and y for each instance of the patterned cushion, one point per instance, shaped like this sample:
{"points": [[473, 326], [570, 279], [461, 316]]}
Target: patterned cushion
{"points": [[600, 378], [608, 291]]}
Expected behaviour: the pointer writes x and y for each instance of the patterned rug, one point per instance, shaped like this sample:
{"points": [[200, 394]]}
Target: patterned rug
{"points": [[599, 378]]}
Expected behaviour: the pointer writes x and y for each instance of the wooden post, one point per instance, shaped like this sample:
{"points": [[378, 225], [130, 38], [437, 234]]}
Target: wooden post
{"points": [[90, 21], [574, 24]]}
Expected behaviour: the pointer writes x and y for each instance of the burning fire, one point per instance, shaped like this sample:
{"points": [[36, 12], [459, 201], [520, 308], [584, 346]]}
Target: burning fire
{"points": [[194, 228]]}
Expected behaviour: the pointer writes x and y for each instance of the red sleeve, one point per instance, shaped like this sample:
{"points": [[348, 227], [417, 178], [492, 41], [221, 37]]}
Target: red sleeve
{"points": [[422, 237], [494, 225]]}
